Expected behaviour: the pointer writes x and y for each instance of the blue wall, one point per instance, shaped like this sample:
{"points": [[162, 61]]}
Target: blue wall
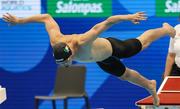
{"points": [[27, 67]]}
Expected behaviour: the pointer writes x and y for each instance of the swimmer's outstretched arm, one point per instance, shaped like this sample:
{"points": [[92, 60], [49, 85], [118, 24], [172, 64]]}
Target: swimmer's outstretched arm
{"points": [[16, 20], [93, 33], [51, 25], [134, 18]]}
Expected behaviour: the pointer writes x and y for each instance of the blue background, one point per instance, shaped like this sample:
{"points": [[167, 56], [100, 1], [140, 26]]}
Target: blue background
{"points": [[27, 67]]}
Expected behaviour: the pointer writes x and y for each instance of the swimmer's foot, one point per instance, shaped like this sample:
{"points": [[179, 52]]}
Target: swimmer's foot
{"points": [[152, 91], [171, 31]]}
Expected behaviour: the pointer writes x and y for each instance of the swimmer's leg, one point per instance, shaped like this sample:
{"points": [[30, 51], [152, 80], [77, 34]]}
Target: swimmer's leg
{"points": [[153, 34], [134, 77]]}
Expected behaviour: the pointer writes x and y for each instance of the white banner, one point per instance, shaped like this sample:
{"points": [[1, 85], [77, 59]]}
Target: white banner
{"points": [[20, 8]]}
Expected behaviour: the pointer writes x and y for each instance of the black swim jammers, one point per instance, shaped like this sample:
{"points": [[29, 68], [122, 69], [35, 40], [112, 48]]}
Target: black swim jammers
{"points": [[121, 49]]}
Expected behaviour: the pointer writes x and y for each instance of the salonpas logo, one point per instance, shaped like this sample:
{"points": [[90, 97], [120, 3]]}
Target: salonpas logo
{"points": [[167, 7], [79, 8]]}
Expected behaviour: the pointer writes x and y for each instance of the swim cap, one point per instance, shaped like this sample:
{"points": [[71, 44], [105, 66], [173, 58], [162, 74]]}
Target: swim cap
{"points": [[61, 52]]}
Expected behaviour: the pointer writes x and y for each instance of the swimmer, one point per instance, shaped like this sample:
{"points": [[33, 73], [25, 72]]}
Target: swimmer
{"points": [[106, 52]]}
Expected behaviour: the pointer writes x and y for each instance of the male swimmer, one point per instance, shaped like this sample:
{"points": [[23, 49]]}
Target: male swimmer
{"points": [[106, 52]]}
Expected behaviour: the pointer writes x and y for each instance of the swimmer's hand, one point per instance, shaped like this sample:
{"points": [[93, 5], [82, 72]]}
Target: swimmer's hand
{"points": [[11, 19], [137, 17]]}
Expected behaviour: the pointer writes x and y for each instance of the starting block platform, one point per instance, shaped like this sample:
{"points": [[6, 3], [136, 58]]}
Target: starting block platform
{"points": [[169, 95]]}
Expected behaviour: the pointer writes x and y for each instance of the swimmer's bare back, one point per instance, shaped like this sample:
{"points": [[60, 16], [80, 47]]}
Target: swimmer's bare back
{"points": [[93, 50]]}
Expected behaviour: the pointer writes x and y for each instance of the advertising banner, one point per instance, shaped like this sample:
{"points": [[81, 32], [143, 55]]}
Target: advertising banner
{"points": [[21, 8], [80, 8], [167, 7]]}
